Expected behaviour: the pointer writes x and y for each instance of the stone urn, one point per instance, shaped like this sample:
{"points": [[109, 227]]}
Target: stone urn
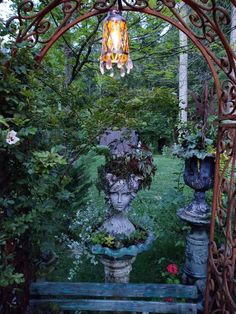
{"points": [[118, 262], [199, 175]]}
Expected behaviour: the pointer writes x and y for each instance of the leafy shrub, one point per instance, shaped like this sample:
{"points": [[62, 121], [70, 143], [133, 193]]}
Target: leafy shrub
{"points": [[44, 180]]}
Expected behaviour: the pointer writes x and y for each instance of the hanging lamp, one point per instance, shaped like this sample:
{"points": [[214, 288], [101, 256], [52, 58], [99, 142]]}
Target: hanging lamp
{"points": [[115, 45]]}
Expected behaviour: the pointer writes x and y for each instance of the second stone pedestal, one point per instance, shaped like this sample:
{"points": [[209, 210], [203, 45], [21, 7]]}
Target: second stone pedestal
{"points": [[117, 271], [196, 252]]}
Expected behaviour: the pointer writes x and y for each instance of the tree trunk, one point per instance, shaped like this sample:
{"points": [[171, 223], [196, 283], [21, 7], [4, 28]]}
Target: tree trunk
{"points": [[233, 28], [183, 70], [68, 65], [230, 103]]}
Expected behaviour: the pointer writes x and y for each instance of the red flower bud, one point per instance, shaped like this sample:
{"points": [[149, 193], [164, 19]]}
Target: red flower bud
{"points": [[172, 269]]}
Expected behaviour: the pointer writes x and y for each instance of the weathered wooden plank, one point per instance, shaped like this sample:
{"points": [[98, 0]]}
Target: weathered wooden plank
{"points": [[118, 306], [113, 290]]}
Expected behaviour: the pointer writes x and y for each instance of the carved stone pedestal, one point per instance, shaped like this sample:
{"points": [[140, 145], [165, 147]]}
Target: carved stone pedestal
{"points": [[196, 252], [198, 175], [196, 256], [117, 270]]}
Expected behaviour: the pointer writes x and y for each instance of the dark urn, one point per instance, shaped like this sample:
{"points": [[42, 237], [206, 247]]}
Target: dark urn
{"points": [[199, 175]]}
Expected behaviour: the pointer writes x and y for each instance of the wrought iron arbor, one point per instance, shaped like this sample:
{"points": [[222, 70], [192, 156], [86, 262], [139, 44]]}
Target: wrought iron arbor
{"points": [[205, 27]]}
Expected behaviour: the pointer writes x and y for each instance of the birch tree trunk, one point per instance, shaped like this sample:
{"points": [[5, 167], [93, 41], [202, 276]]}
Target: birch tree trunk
{"points": [[230, 103], [233, 28], [183, 70]]}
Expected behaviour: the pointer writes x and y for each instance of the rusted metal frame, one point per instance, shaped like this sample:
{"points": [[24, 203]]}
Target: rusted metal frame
{"points": [[201, 5], [209, 52], [216, 29], [224, 279], [146, 10], [199, 9], [230, 209], [216, 188], [130, 8], [63, 29], [67, 15], [212, 272], [62, 23], [231, 55], [36, 17], [39, 19], [204, 50], [223, 117], [228, 271], [216, 191], [233, 2]]}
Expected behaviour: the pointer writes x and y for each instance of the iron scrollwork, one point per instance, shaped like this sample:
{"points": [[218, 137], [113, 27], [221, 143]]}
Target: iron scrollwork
{"points": [[35, 26], [104, 4], [221, 284]]}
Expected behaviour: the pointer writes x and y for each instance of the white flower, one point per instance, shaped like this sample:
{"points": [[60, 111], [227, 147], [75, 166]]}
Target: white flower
{"points": [[12, 138]]}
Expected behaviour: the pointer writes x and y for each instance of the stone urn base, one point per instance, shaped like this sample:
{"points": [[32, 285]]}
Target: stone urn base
{"points": [[118, 262], [117, 271], [195, 213]]}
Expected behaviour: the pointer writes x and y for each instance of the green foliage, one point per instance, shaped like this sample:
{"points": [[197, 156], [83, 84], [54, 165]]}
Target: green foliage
{"points": [[44, 161], [117, 242], [8, 275], [197, 137], [44, 178], [153, 113], [139, 162], [193, 145]]}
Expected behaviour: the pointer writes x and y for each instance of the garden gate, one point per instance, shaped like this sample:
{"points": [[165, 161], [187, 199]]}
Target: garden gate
{"points": [[205, 27]]}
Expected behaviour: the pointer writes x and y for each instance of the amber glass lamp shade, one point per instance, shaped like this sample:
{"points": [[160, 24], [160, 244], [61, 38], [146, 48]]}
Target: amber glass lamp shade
{"points": [[115, 45]]}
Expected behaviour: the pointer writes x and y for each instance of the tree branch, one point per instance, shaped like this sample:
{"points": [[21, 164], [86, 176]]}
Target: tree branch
{"points": [[78, 64]]}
